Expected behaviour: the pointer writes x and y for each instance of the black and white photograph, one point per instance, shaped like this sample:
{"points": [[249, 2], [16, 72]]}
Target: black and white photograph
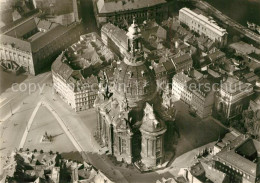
{"points": [[129, 91]]}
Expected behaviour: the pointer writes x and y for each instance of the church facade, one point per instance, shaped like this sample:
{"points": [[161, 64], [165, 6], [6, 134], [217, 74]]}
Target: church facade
{"points": [[132, 122]]}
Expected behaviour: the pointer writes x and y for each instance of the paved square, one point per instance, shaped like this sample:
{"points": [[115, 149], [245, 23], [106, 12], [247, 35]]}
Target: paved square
{"points": [[43, 122]]}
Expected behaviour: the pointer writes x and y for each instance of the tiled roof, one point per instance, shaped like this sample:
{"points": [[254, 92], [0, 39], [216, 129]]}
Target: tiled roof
{"points": [[181, 59], [17, 43], [39, 39], [203, 88], [168, 65], [195, 74], [159, 67], [205, 172], [116, 33], [20, 30], [44, 24], [78, 67], [216, 55], [49, 36], [124, 5], [235, 153], [59, 6], [255, 56], [244, 47], [182, 78], [212, 174], [233, 86]]}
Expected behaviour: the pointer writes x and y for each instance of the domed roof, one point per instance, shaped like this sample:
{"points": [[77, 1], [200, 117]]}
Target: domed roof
{"points": [[135, 82]]}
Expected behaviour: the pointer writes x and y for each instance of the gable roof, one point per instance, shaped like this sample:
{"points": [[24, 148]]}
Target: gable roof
{"points": [[124, 5], [235, 154]]}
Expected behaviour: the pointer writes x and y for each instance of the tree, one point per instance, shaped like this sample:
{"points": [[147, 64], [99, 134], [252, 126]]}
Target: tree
{"points": [[41, 151], [35, 150]]}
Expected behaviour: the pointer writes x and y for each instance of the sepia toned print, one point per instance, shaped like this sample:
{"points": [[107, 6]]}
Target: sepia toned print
{"points": [[138, 91]]}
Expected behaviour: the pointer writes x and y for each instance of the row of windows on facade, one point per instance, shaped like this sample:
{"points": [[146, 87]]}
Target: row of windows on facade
{"points": [[176, 85], [197, 24], [84, 97], [11, 55], [186, 96], [5, 46], [137, 14], [134, 91], [202, 28], [199, 28], [232, 170], [85, 103], [199, 98], [79, 98], [211, 35]]}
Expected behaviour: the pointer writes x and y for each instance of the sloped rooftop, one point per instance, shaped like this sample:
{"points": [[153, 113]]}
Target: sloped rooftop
{"points": [[124, 5]]}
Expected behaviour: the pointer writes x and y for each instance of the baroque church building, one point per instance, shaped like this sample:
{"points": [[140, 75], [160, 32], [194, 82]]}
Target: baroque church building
{"points": [[132, 121]]}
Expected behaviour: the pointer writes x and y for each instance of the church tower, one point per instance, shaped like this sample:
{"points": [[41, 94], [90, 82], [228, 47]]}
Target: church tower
{"points": [[135, 48], [152, 130]]}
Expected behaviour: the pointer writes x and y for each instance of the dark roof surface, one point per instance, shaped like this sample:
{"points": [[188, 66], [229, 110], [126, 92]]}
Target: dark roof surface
{"points": [[244, 146], [123, 5]]}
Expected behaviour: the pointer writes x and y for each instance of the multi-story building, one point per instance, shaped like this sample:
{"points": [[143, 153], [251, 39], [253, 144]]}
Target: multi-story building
{"points": [[203, 25], [252, 114], [195, 90], [63, 12], [181, 87], [164, 71], [239, 159], [73, 71], [33, 43], [122, 12], [233, 97], [152, 33], [203, 98], [216, 57], [182, 63], [115, 38]]}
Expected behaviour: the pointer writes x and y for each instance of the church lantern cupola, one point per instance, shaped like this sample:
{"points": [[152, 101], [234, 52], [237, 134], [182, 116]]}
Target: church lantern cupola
{"points": [[134, 39]]}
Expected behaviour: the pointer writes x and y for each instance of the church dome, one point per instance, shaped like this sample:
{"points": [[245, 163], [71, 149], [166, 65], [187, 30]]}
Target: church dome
{"points": [[135, 82]]}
